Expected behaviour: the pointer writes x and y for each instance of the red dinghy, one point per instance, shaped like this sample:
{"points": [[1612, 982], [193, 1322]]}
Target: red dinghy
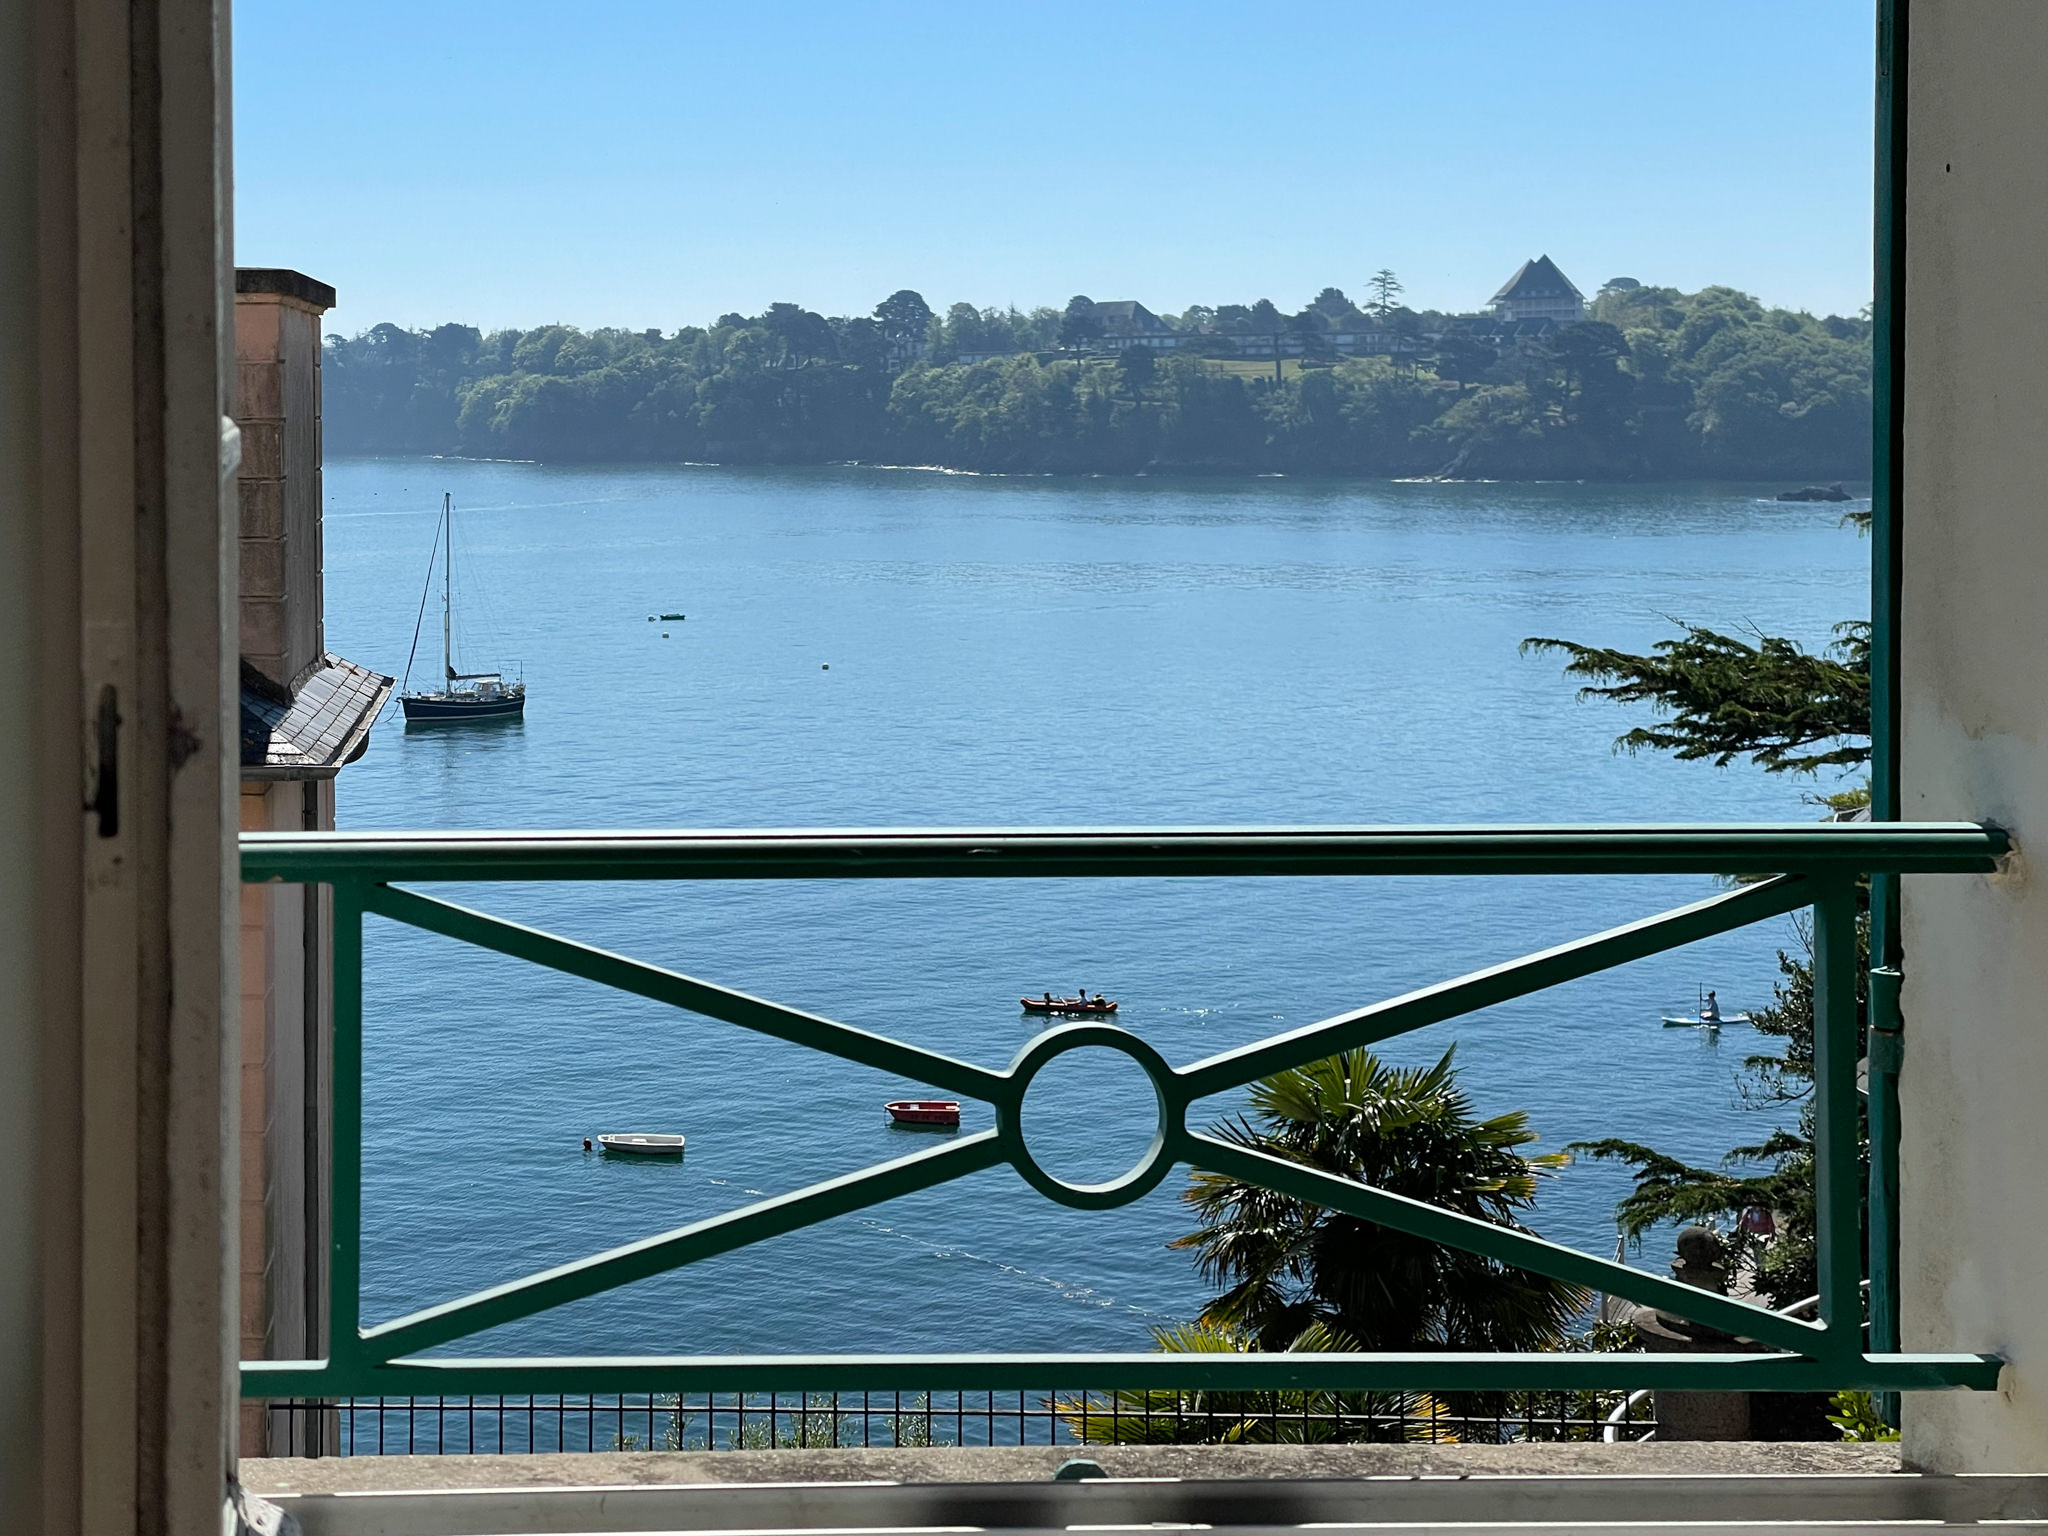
{"points": [[924, 1111], [1065, 1005]]}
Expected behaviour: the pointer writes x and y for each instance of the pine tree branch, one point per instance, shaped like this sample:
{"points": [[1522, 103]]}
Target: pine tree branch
{"points": [[1726, 698]]}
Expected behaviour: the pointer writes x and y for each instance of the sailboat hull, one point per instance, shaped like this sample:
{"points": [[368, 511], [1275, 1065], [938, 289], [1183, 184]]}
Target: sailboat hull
{"points": [[448, 709], [488, 696]]}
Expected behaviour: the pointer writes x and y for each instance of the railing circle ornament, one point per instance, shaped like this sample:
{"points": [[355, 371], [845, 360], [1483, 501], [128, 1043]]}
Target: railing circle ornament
{"points": [[1158, 1158]]}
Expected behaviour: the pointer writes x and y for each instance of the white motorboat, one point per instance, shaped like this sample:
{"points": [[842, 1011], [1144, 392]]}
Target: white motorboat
{"points": [[643, 1143]]}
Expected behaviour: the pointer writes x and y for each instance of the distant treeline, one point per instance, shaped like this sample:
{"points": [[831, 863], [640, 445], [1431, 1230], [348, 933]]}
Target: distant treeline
{"points": [[1655, 384]]}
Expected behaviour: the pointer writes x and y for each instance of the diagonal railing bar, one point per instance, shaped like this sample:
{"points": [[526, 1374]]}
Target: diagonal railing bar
{"points": [[625, 974], [1496, 984], [488, 1309], [1521, 1249], [685, 1245]]}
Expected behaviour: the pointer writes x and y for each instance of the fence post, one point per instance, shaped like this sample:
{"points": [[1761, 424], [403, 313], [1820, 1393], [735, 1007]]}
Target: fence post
{"points": [[1838, 1204]]}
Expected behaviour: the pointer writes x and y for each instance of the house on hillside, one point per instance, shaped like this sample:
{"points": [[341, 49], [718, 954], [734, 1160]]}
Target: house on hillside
{"points": [[1378, 338], [1127, 323], [899, 352], [1539, 291]]}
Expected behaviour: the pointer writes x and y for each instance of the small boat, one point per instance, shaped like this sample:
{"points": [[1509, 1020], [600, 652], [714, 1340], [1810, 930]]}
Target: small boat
{"points": [[643, 1143], [462, 695], [1065, 1005], [924, 1111]]}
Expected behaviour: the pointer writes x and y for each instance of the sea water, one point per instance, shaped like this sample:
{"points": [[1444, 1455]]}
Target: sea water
{"points": [[868, 648]]}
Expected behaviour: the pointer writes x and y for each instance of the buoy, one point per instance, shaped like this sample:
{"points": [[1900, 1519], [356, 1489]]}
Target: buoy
{"points": [[664, 634], [827, 667], [650, 618]]}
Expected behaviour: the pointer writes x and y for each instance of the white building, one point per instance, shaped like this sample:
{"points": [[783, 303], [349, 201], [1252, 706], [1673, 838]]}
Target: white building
{"points": [[1538, 291]]}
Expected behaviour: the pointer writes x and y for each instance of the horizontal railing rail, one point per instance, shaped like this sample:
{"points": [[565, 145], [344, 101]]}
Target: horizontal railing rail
{"points": [[1785, 868], [1856, 848]]}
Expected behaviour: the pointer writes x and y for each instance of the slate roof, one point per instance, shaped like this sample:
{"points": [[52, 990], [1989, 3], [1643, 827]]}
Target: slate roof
{"points": [[1538, 279], [310, 730], [1127, 317]]}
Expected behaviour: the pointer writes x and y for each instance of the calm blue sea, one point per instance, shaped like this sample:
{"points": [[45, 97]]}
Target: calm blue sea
{"points": [[899, 647]]}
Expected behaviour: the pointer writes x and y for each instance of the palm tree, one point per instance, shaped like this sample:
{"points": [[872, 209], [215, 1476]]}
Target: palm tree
{"points": [[1286, 1265]]}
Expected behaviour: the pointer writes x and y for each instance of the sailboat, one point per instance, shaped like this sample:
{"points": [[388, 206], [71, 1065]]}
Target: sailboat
{"points": [[462, 695]]}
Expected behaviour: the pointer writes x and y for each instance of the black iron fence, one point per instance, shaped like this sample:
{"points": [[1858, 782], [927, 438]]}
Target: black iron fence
{"points": [[722, 1421]]}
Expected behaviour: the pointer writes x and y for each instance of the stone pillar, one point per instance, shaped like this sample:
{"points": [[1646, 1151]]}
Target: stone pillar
{"points": [[1695, 1415], [1974, 720]]}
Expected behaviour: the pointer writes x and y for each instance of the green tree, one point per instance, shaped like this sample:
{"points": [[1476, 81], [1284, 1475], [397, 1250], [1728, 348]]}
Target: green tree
{"points": [[861, 343], [1264, 319], [1463, 357], [1587, 359], [1337, 310], [968, 329], [1311, 331], [1386, 289], [803, 335], [905, 318], [1710, 383], [1285, 1265], [1788, 711], [1080, 323]]}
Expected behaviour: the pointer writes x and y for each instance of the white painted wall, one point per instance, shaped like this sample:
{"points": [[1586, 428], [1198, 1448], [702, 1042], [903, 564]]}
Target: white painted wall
{"points": [[1974, 1153], [20, 1061]]}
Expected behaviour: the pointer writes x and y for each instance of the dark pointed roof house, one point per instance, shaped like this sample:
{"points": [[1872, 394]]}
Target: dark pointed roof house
{"points": [[1539, 291], [1127, 323]]}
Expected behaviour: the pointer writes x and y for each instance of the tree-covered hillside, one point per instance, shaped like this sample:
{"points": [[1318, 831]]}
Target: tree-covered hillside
{"points": [[1655, 384]]}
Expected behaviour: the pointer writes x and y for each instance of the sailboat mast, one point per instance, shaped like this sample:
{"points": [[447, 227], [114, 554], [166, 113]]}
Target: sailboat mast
{"points": [[447, 590]]}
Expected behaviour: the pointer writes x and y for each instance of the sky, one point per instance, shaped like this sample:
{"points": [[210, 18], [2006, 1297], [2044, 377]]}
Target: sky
{"points": [[661, 162]]}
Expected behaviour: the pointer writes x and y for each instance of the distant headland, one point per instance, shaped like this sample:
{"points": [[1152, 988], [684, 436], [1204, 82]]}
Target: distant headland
{"points": [[1639, 383]]}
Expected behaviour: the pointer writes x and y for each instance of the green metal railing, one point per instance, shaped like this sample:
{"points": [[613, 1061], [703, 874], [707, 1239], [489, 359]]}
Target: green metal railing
{"points": [[1814, 867]]}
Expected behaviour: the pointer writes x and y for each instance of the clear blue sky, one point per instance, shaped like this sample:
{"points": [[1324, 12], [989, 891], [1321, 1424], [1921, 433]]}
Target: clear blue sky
{"points": [[640, 163]]}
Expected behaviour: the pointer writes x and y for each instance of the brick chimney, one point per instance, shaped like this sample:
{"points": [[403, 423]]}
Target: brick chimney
{"points": [[277, 405]]}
